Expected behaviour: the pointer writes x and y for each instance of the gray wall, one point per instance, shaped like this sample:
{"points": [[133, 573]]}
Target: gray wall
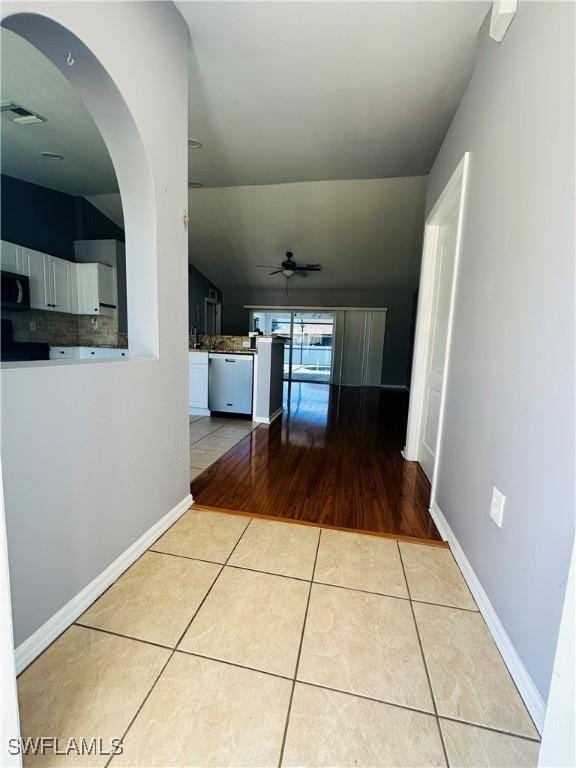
{"points": [[510, 398], [198, 287], [399, 301], [58, 218], [94, 454]]}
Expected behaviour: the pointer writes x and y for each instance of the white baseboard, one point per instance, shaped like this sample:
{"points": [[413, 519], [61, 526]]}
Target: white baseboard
{"points": [[33, 646], [268, 419], [199, 411], [528, 690]]}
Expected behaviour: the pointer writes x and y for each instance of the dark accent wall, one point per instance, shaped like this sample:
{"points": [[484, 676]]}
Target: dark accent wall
{"points": [[198, 287], [49, 221]]}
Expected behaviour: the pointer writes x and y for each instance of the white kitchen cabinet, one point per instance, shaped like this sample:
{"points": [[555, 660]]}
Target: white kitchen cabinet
{"points": [[63, 285], [52, 282], [39, 273], [87, 353], [97, 294], [198, 383], [14, 258], [58, 285]]}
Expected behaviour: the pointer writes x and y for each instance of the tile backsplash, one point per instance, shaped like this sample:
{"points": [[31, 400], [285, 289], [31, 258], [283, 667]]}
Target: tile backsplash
{"points": [[225, 343], [61, 329]]}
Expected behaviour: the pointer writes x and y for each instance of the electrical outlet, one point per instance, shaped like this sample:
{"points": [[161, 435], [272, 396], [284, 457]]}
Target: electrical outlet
{"points": [[497, 506], [32, 325]]}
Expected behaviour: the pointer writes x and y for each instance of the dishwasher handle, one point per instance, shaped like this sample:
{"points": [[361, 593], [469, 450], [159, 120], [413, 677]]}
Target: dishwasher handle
{"points": [[229, 360]]}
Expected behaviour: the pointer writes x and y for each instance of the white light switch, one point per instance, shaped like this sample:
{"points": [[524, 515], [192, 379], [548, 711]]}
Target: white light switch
{"points": [[497, 506]]}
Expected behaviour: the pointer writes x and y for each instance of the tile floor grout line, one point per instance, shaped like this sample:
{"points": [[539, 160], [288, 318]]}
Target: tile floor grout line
{"points": [[490, 728], [126, 637], [320, 583], [213, 583], [288, 713], [424, 659], [395, 597], [178, 643], [185, 557], [395, 704], [234, 664], [139, 709], [237, 567], [311, 684]]}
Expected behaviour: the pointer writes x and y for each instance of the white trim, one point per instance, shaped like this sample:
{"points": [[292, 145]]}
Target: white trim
{"points": [[454, 194], [199, 411], [33, 646], [292, 308], [526, 687], [269, 419]]}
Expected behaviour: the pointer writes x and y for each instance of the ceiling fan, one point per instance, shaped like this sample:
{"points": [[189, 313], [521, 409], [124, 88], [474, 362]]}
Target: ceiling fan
{"points": [[288, 268]]}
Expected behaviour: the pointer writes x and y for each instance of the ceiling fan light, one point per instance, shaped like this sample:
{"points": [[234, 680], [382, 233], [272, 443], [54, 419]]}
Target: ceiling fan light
{"points": [[288, 272]]}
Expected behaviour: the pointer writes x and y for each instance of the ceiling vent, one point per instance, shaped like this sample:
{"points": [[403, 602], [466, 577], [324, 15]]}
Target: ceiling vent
{"points": [[19, 114]]}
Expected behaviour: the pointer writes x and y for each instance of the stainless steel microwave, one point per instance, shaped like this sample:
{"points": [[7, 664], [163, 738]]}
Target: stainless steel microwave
{"points": [[15, 290]]}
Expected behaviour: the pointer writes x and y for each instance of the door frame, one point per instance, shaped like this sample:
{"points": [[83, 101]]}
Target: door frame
{"points": [[452, 198]]}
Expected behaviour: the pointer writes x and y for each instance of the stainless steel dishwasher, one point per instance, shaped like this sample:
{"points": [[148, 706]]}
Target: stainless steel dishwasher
{"points": [[230, 383]]}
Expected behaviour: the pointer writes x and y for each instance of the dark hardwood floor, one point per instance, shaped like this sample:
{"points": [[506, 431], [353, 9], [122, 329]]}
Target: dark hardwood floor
{"points": [[333, 459]]}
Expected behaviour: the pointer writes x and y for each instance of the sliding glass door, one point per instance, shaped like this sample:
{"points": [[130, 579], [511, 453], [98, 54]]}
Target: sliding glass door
{"points": [[312, 346], [308, 351], [343, 347]]}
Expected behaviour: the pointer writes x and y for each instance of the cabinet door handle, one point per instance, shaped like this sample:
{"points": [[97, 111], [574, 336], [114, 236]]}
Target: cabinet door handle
{"points": [[228, 360]]}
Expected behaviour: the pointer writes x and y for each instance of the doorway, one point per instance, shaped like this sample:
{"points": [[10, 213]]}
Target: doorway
{"points": [[439, 274]]}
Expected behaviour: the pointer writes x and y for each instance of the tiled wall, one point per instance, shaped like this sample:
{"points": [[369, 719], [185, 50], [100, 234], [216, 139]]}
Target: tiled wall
{"points": [[61, 329], [227, 343]]}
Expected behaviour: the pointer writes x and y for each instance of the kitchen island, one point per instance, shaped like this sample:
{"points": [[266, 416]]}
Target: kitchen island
{"points": [[237, 380]]}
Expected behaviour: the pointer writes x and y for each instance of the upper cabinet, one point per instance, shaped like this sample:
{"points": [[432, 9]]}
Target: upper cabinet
{"points": [[97, 294], [58, 285], [14, 258], [52, 282]]}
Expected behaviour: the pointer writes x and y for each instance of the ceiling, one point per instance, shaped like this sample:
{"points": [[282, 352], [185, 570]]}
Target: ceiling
{"points": [[31, 80], [365, 233], [301, 91]]}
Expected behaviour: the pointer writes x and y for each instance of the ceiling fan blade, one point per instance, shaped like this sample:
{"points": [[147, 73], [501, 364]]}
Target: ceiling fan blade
{"points": [[276, 271], [311, 267], [268, 266]]}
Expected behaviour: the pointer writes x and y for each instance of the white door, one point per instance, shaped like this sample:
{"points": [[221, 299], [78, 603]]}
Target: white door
{"points": [[435, 373]]}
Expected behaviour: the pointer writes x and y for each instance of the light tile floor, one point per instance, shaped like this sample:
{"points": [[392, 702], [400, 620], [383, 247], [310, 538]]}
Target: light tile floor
{"points": [[251, 642], [211, 437]]}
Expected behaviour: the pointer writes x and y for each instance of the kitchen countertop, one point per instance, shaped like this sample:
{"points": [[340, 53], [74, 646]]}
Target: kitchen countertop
{"points": [[227, 351]]}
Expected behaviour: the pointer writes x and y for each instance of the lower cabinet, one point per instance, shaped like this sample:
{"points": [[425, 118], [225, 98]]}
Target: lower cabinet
{"points": [[87, 353], [198, 383]]}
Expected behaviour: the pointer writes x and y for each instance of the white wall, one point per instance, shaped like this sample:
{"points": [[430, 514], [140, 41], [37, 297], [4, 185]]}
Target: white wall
{"points": [[510, 398], [94, 454]]}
